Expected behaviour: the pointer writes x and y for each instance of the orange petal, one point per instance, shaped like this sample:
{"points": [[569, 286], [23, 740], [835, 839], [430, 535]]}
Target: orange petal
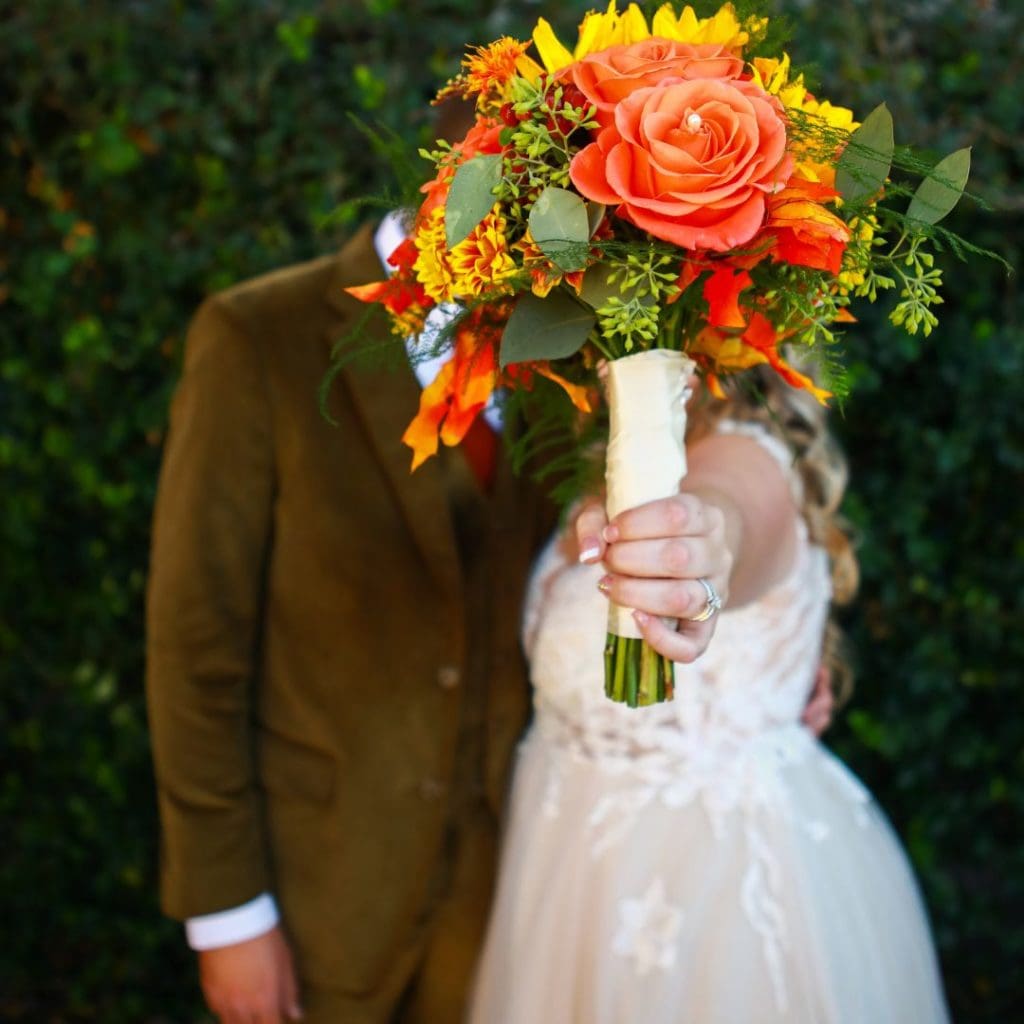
{"points": [[457, 423], [369, 292], [722, 291], [690, 271], [579, 395], [760, 333], [797, 379], [422, 433], [714, 385]]}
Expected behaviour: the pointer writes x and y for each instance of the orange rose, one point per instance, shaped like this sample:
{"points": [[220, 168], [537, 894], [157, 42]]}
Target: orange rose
{"points": [[608, 77], [690, 161]]}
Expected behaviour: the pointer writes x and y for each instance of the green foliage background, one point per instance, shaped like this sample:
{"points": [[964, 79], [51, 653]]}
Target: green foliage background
{"points": [[153, 152]]}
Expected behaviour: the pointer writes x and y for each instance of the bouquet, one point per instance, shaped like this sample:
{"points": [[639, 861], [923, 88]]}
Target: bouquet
{"points": [[663, 198]]}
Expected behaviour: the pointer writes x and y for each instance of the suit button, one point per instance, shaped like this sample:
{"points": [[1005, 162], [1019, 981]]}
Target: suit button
{"points": [[448, 677], [431, 789]]}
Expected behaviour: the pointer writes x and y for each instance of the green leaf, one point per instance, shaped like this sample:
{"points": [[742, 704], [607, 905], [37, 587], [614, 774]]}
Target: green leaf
{"points": [[561, 228], [941, 190], [595, 214], [597, 288], [471, 196], [867, 159], [297, 36], [550, 328]]}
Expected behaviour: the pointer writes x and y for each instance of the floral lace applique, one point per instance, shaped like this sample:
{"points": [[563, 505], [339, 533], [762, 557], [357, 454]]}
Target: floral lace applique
{"points": [[648, 930]]}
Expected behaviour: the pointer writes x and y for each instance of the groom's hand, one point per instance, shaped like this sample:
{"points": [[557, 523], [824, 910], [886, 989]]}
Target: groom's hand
{"points": [[655, 554], [251, 982]]}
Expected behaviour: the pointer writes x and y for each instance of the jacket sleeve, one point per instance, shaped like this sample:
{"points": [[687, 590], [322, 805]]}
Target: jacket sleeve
{"points": [[210, 547]]}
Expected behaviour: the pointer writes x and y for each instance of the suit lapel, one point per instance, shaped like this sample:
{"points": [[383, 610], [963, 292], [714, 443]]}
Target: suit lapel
{"points": [[386, 398]]}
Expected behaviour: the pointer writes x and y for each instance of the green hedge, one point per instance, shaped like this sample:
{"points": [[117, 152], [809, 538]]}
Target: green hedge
{"points": [[154, 152]]}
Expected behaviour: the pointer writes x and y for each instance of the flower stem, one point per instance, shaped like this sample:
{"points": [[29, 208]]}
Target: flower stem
{"points": [[636, 674]]}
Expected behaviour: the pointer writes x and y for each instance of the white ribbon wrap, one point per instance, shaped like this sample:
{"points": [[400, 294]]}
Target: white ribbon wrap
{"points": [[646, 458]]}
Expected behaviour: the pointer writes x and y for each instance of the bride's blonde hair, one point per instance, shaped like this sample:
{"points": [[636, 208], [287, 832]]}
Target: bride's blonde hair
{"points": [[797, 419]]}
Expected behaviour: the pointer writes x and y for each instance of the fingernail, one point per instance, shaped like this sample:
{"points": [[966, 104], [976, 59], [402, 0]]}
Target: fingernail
{"points": [[604, 584], [641, 617], [296, 1013], [611, 534], [590, 550]]}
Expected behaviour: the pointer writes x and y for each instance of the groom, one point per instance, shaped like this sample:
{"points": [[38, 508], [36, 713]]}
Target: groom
{"points": [[334, 676]]}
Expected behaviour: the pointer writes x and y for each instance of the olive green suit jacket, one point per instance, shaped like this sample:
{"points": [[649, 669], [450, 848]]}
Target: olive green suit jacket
{"points": [[307, 632]]}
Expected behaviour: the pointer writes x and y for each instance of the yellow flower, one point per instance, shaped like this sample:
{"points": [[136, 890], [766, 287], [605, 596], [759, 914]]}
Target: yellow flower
{"points": [[772, 75], [723, 27], [599, 31], [492, 66], [487, 73], [481, 263], [862, 228], [543, 273], [432, 267]]}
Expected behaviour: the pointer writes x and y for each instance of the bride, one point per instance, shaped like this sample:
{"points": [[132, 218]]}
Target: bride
{"points": [[703, 861]]}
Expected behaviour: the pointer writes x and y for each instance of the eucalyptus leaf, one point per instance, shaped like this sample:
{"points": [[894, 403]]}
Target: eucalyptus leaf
{"points": [[549, 328], [595, 214], [597, 289], [867, 159], [941, 190], [471, 196], [561, 228]]}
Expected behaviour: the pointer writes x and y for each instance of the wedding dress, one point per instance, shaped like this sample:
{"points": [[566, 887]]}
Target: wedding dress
{"points": [[702, 861]]}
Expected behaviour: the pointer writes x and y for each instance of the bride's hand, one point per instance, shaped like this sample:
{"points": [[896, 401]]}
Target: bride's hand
{"points": [[655, 555]]}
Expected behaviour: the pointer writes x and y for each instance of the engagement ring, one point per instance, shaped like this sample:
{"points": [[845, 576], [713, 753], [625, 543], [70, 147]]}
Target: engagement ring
{"points": [[714, 604]]}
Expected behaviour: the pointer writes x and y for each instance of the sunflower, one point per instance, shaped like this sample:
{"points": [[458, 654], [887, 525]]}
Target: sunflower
{"points": [[599, 31]]}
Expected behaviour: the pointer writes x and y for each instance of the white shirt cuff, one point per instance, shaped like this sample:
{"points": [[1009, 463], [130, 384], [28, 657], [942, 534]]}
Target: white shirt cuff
{"points": [[211, 931]]}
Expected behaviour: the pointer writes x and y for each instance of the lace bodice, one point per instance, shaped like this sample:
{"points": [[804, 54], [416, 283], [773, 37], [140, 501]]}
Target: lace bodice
{"points": [[755, 676]]}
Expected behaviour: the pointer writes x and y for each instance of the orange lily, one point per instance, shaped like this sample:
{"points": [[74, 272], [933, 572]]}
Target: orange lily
{"points": [[806, 233], [757, 344], [450, 403]]}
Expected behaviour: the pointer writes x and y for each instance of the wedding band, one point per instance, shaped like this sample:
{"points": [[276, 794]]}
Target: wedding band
{"points": [[713, 606]]}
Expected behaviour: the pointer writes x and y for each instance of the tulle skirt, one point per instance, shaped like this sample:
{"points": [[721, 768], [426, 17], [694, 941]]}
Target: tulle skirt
{"points": [[781, 895]]}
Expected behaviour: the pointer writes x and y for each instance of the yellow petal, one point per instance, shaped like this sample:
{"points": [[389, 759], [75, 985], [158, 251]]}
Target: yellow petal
{"points": [[595, 33], [722, 27], [687, 26], [528, 68], [634, 25], [664, 23], [554, 55]]}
